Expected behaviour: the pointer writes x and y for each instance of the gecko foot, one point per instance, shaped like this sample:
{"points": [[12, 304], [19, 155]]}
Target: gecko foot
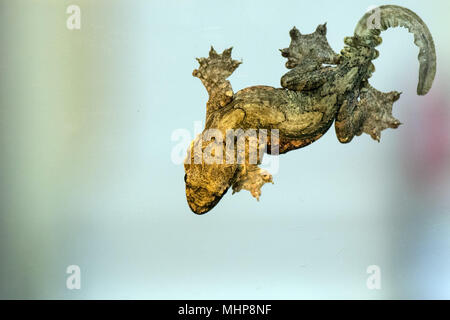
{"points": [[213, 72], [252, 178], [378, 108]]}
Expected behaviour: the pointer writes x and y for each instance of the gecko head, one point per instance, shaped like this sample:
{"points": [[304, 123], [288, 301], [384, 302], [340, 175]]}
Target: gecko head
{"points": [[206, 183], [310, 48]]}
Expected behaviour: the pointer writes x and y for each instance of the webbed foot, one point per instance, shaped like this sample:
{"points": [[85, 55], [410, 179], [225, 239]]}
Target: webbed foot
{"points": [[371, 114], [213, 72], [309, 50], [377, 107], [252, 178]]}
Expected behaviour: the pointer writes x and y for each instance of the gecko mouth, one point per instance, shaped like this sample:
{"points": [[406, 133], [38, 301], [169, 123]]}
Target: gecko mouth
{"points": [[200, 200]]}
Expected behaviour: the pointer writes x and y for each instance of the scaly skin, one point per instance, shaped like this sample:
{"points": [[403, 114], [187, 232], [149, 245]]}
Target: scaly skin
{"points": [[312, 98]]}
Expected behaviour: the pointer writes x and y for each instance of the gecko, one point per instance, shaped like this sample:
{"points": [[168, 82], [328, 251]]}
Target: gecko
{"points": [[320, 89]]}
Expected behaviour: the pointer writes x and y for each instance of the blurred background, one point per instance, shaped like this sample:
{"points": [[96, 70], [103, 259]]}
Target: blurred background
{"points": [[87, 179]]}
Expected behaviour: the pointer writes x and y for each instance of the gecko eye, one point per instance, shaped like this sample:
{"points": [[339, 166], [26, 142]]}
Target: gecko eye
{"points": [[185, 178]]}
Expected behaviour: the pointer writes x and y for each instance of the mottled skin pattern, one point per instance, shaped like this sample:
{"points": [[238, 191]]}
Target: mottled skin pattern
{"points": [[321, 88]]}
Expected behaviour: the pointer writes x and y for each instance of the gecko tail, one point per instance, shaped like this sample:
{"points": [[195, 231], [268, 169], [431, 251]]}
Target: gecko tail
{"points": [[390, 16]]}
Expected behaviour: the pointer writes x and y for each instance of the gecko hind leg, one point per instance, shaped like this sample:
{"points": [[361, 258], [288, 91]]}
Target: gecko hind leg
{"points": [[250, 176], [371, 114]]}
